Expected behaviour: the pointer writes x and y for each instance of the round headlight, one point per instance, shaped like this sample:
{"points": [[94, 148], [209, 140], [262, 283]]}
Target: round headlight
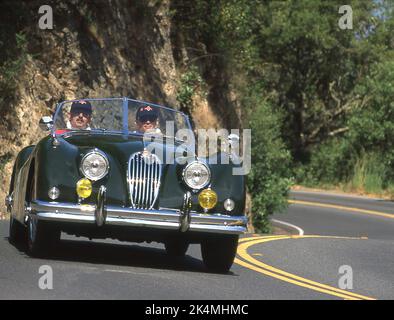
{"points": [[196, 175], [94, 165]]}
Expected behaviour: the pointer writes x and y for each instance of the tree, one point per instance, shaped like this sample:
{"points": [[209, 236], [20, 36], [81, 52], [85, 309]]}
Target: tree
{"points": [[310, 66]]}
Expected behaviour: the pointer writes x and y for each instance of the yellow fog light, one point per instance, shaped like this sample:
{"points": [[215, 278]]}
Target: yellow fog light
{"points": [[84, 188], [207, 199]]}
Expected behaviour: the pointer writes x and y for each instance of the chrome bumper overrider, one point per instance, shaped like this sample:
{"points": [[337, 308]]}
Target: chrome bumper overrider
{"points": [[169, 219]]}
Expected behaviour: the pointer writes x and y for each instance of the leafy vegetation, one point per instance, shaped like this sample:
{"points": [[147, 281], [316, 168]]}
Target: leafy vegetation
{"points": [[321, 93], [269, 179], [191, 83], [11, 67]]}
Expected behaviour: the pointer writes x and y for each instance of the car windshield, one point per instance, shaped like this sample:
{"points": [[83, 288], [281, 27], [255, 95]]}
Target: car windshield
{"points": [[118, 115]]}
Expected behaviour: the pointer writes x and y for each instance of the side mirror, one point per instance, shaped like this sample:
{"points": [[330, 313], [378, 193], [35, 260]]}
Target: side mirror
{"points": [[233, 141], [46, 123]]}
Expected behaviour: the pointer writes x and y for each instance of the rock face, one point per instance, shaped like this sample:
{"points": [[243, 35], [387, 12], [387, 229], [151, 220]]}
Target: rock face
{"points": [[95, 49]]}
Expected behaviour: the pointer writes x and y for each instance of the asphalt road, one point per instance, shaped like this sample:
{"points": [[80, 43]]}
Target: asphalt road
{"points": [[360, 241]]}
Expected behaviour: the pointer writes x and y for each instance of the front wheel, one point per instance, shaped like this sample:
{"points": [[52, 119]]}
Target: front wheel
{"points": [[41, 237], [218, 254]]}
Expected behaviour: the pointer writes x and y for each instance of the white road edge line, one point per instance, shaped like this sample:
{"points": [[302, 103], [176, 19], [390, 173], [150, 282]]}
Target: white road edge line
{"points": [[300, 231]]}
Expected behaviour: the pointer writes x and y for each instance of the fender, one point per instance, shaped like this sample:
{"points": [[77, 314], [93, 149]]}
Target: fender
{"points": [[227, 185], [19, 181]]}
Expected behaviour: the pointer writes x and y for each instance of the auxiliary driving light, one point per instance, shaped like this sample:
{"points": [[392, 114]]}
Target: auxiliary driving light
{"points": [[207, 199], [84, 188]]}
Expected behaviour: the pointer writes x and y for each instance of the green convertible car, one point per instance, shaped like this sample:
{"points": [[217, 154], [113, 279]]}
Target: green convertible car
{"points": [[128, 170]]}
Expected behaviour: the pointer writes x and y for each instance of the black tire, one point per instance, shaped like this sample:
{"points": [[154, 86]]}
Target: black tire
{"points": [[176, 248], [218, 254], [17, 232], [41, 238]]}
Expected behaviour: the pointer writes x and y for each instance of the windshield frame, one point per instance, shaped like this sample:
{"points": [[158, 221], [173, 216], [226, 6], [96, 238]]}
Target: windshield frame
{"points": [[125, 110]]}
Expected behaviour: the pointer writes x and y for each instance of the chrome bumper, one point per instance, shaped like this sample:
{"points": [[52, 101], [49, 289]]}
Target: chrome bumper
{"points": [[169, 219]]}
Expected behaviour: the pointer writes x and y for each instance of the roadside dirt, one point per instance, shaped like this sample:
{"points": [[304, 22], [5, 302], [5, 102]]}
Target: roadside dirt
{"points": [[280, 231], [340, 191]]}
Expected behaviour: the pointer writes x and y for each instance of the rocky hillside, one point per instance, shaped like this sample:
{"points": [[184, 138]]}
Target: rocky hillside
{"points": [[98, 49]]}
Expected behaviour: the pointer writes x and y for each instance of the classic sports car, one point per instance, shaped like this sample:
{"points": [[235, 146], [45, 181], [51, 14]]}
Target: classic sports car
{"points": [[117, 168]]}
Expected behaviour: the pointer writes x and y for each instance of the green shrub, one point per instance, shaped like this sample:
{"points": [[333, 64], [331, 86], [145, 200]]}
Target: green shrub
{"points": [[191, 82], [10, 68], [269, 180], [369, 173], [330, 164]]}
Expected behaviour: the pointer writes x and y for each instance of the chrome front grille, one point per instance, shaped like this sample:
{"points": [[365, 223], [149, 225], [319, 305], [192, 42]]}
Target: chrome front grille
{"points": [[144, 173]]}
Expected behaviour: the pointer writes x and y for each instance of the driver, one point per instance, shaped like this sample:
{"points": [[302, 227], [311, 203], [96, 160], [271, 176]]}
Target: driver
{"points": [[80, 115], [147, 120]]}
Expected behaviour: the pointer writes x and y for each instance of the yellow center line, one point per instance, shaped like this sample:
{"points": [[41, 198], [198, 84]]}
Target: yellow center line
{"points": [[258, 266], [352, 209], [261, 237], [300, 284]]}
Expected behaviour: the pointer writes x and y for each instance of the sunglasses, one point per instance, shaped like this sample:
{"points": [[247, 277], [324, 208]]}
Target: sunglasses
{"points": [[147, 118], [84, 114]]}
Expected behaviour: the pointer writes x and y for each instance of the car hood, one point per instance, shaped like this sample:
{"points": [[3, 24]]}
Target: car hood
{"points": [[122, 146]]}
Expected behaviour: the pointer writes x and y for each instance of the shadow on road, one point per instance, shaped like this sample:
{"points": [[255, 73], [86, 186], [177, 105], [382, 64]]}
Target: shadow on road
{"points": [[388, 201], [123, 255], [84, 251]]}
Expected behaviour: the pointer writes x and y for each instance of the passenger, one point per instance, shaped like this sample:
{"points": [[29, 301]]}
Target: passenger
{"points": [[147, 120]]}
